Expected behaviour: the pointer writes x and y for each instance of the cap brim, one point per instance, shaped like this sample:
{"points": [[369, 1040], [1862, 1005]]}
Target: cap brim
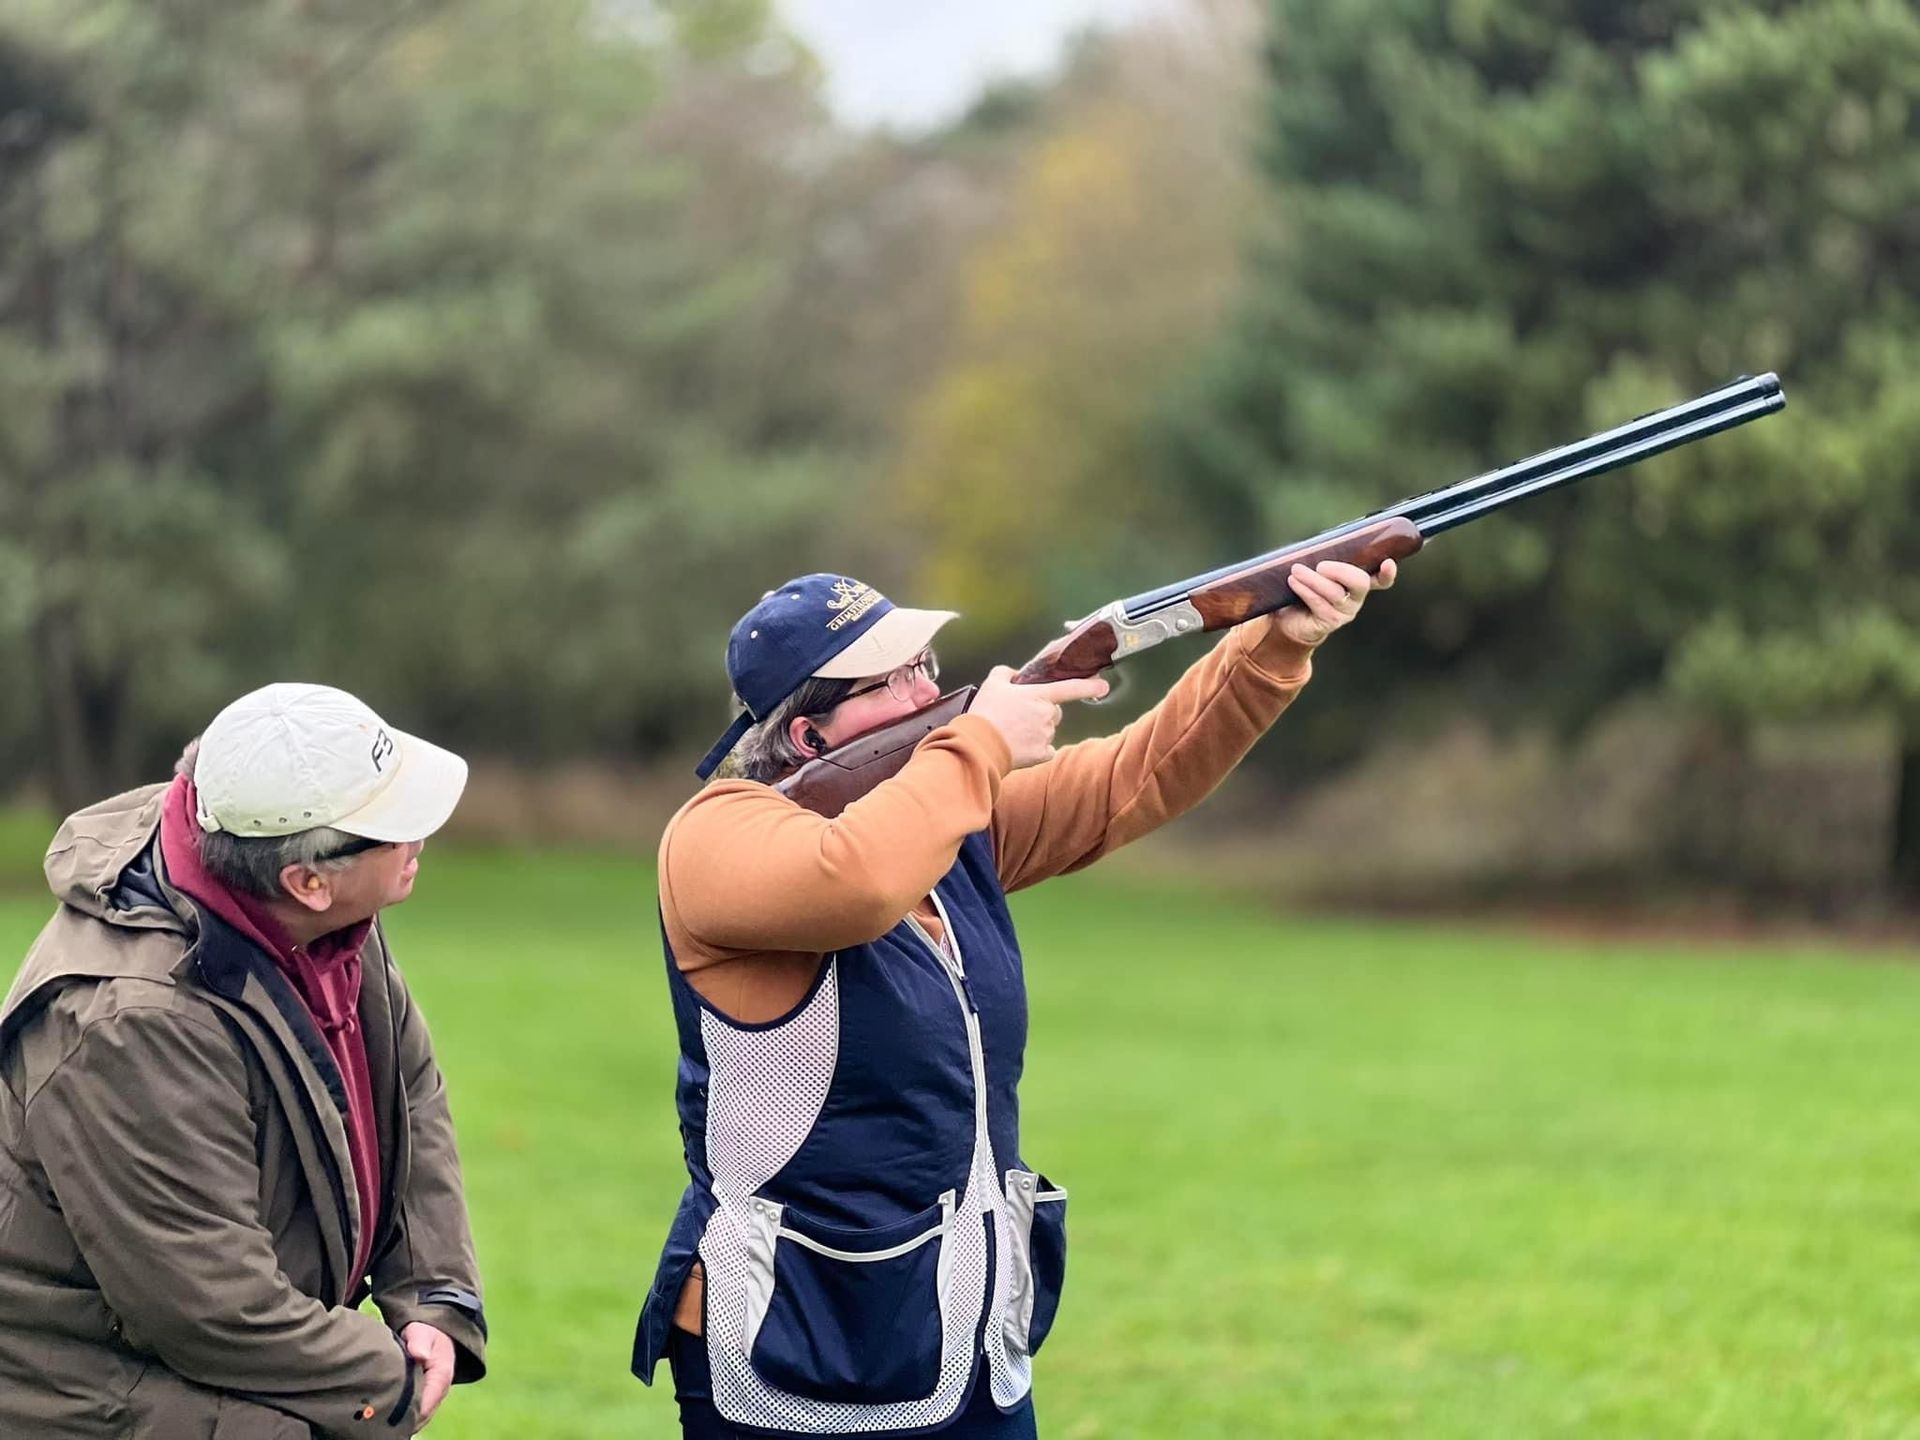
{"points": [[894, 639], [418, 800]]}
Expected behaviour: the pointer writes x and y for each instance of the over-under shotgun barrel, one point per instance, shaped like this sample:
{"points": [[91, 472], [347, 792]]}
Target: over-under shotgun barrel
{"points": [[1732, 404], [1766, 399]]}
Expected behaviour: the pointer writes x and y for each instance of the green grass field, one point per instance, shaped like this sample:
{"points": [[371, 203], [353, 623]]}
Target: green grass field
{"points": [[1329, 1179]]}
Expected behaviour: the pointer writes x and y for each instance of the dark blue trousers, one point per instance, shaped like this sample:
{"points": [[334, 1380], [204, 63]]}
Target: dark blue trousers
{"points": [[693, 1388]]}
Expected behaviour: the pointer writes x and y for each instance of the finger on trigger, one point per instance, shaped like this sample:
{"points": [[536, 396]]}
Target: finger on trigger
{"points": [[1061, 691]]}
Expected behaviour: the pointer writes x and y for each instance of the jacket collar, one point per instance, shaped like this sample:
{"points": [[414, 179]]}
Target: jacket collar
{"points": [[226, 959]]}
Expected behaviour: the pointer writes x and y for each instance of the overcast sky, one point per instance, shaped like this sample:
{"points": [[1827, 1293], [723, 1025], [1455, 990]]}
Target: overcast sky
{"points": [[918, 62]]}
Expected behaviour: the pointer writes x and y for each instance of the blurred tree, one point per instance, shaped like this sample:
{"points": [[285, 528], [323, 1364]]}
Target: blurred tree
{"points": [[514, 403], [1022, 466], [1499, 225], [1795, 174], [405, 347], [123, 543]]}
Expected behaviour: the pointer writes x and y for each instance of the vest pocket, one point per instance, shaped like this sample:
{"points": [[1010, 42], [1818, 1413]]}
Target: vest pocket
{"points": [[1036, 1260], [848, 1315]]}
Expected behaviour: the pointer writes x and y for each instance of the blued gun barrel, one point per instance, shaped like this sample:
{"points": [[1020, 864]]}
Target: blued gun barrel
{"points": [[1436, 510]]}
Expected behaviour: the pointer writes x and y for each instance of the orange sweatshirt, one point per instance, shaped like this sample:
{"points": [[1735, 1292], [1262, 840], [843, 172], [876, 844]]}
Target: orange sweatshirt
{"points": [[755, 890]]}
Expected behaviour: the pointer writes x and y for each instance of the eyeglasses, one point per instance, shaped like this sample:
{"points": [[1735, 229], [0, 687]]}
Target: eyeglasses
{"points": [[358, 846], [900, 681]]}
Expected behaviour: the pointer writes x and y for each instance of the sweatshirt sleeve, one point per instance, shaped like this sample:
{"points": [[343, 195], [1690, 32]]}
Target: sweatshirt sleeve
{"points": [[163, 1200], [746, 871], [1093, 797]]}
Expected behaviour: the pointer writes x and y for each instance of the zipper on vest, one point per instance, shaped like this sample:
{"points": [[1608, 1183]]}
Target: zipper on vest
{"points": [[955, 966], [948, 955]]}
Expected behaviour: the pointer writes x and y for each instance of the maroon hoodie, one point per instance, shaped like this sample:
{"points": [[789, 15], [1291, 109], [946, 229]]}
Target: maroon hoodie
{"points": [[325, 974]]}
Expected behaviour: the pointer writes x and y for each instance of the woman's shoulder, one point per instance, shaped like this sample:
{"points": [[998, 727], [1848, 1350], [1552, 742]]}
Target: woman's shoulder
{"points": [[717, 809]]}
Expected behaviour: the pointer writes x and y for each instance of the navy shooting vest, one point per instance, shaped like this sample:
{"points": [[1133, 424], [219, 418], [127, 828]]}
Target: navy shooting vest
{"points": [[870, 1236]]}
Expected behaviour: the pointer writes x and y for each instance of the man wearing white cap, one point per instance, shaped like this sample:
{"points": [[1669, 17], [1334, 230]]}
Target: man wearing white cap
{"points": [[221, 1123], [861, 1248]]}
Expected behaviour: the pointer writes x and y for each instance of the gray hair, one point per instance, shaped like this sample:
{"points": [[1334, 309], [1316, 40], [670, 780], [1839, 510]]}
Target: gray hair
{"points": [[767, 752], [251, 864]]}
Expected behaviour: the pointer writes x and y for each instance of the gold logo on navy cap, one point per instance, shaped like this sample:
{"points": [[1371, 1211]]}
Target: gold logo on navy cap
{"points": [[852, 600]]}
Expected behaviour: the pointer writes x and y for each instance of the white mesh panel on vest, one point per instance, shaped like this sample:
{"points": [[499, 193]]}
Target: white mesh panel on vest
{"points": [[765, 1091], [1011, 1373]]}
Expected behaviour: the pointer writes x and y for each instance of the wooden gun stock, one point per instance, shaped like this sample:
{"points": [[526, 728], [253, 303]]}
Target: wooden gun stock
{"points": [[1094, 644], [1261, 589], [834, 781], [1085, 650]]}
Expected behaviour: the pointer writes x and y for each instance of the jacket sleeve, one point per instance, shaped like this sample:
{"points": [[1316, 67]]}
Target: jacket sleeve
{"points": [[427, 1270], [1091, 798], [148, 1143]]}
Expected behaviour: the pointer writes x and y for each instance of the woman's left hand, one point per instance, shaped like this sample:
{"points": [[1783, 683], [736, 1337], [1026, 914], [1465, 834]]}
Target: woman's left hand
{"points": [[1331, 594]]}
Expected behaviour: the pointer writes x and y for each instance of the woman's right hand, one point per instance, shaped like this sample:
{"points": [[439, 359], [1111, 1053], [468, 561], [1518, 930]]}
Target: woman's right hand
{"points": [[1027, 715]]}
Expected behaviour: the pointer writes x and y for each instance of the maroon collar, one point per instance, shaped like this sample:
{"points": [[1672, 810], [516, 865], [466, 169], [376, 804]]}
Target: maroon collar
{"points": [[311, 966]]}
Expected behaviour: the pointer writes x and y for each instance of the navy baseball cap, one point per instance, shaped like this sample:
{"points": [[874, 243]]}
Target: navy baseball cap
{"points": [[827, 626]]}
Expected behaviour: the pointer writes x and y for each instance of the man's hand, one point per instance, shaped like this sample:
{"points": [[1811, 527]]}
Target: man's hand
{"points": [[1027, 715], [434, 1351], [1331, 594]]}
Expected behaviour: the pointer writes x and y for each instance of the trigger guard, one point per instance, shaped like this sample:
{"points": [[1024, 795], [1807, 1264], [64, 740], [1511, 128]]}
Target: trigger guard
{"points": [[1116, 684]]}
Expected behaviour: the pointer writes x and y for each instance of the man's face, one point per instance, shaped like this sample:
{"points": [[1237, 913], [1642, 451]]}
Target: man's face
{"points": [[360, 889], [377, 879]]}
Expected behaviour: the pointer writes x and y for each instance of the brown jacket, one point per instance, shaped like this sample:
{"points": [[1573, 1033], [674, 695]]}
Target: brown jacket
{"points": [[177, 1214], [755, 890]]}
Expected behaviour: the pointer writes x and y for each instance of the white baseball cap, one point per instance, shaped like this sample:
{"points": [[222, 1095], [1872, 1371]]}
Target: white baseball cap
{"points": [[290, 757]]}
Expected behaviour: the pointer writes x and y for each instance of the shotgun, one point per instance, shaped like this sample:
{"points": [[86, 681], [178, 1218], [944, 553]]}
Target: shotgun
{"points": [[1257, 586]]}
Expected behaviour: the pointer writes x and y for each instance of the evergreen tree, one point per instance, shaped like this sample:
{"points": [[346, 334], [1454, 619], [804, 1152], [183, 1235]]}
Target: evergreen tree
{"points": [[123, 543], [1498, 226], [389, 345]]}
